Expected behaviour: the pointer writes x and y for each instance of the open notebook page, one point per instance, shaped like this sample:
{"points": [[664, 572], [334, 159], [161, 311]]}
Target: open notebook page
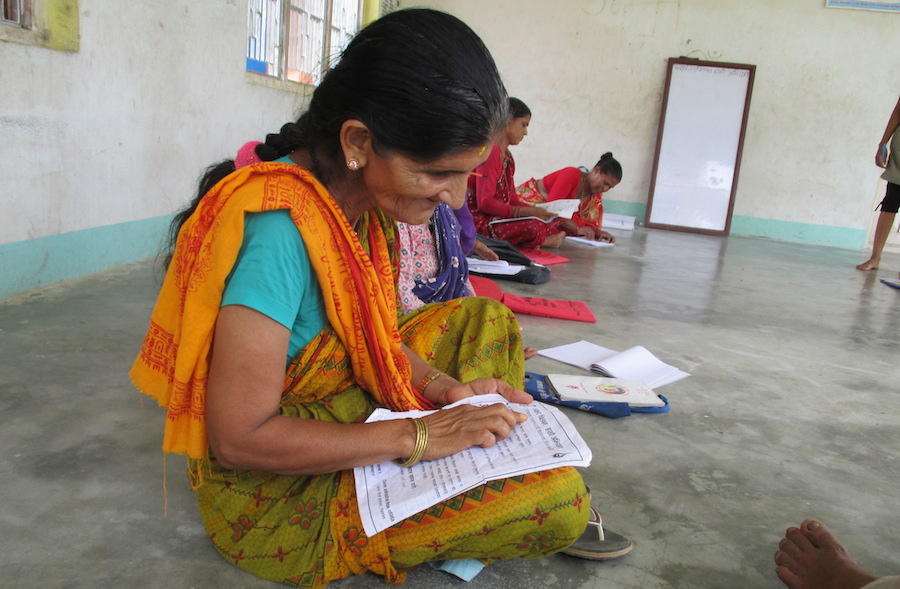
{"points": [[581, 354], [638, 363]]}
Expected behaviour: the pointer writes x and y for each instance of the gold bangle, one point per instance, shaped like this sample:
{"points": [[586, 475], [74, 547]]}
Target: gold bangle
{"points": [[421, 444], [429, 378]]}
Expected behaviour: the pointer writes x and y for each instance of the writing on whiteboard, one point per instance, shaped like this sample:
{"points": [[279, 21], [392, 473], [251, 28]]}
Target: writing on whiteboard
{"points": [[712, 71]]}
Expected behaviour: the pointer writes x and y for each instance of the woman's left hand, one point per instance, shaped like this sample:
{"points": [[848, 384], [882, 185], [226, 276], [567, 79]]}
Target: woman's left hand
{"points": [[607, 237], [484, 386]]}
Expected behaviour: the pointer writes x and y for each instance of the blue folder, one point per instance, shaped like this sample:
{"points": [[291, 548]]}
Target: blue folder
{"points": [[539, 387]]}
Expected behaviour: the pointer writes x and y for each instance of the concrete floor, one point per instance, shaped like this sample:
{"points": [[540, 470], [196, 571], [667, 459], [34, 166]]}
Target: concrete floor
{"points": [[791, 411]]}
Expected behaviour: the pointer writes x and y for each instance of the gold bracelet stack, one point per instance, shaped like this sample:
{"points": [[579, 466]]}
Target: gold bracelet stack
{"points": [[421, 444], [429, 378]]}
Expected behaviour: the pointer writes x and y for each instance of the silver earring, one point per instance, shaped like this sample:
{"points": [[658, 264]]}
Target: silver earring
{"points": [[353, 163]]}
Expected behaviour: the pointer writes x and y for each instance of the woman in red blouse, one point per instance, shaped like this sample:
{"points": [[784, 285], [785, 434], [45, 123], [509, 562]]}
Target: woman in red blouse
{"points": [[491, 193], [588, 187]]}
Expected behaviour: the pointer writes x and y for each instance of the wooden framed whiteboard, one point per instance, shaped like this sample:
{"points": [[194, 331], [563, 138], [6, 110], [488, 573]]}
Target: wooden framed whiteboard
{"points": [[699, 145]]}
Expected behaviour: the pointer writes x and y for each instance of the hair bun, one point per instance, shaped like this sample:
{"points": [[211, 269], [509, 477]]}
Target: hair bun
{"points": [[606, 156]]}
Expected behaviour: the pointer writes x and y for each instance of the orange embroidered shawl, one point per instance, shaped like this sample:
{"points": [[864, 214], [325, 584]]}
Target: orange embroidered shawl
{"points": [[357, 287]]}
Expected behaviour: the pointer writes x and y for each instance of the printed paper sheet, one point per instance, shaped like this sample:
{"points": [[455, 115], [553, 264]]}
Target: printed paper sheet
{"points": [[388, 493]]}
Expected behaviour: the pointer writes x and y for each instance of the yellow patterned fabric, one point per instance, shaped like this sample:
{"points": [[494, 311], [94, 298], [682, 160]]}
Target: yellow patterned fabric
{"points": [[306, 531], [354, 271]]}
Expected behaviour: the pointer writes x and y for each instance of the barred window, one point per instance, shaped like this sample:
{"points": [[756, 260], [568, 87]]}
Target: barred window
{"points": [[42, 23], [13, 12], [295, 39]]}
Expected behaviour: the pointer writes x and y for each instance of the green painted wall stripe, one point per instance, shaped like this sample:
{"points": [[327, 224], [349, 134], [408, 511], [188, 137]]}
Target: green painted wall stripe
{"points": [[843, 237], [621, 207], [37, 262]]}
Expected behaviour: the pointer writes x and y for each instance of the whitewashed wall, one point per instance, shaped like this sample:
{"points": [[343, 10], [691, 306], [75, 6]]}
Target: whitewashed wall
{"points": [[119, 131], [593, 73], [100, 146]]}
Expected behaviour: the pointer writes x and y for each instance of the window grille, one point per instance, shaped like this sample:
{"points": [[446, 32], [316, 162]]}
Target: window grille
{"points": [[295, 39], [12, 11], [40, 23]]}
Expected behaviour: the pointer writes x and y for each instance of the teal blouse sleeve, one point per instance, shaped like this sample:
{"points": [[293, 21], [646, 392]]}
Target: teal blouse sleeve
{"points": [[273, 275]]}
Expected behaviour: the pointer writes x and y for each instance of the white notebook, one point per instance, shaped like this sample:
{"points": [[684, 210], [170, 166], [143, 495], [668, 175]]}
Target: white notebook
{"points": [[590, 242], [498, 267], [514, 219], [604, 390], [613, 221], [635, 363], [564, 207]]}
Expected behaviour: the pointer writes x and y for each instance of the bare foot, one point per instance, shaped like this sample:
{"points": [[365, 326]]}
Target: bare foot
{"points": [[555, 240], [811, 558], [529, 352], [870, 264]]}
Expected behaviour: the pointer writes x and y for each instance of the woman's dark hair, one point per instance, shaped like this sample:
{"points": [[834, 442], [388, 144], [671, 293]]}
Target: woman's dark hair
{"points": [[610, 166], [422, 82], [518, 109]]}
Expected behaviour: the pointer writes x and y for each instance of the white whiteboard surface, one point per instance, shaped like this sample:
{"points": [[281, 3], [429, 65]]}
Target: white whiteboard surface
{"points": [[701, 134]]}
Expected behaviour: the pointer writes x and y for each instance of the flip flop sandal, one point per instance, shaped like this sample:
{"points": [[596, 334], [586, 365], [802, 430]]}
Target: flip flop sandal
{"points": [[599, 544]]}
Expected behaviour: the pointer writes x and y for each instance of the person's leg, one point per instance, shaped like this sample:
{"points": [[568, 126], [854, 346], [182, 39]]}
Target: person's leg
{"points": [[889, 207], [468, 338], [555, 239], [523, 233], [882, 229], [535, 514], [810, 557], [526, 516]]}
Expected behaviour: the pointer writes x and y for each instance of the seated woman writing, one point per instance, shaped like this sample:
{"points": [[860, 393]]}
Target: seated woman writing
{"points": [[276, 331], [587, 187], [492, 198]]}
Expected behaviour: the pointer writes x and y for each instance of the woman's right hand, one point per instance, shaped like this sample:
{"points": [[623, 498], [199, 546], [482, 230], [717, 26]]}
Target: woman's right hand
{"points": [[539, 212], [459, 428], [484, 252], [586, 232], [881, 156]]}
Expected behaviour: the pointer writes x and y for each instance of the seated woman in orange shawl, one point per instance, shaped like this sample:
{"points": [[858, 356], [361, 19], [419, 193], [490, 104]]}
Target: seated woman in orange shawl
{"points": [[276, 331]]}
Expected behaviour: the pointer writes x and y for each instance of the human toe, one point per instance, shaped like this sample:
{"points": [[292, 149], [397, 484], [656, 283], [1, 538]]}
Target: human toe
{"points": [[818, 533]]}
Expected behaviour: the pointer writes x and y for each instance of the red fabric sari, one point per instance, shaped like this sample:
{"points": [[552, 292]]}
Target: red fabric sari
{"points": [[492, 197]]}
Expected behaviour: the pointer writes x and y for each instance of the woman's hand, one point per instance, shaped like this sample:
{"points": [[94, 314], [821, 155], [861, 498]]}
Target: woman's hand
{"points": [[881, 156], [457, 429], [607, 237], [586, 232], [484, 252], [539, 212], [569, 226], [452, 391]]}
